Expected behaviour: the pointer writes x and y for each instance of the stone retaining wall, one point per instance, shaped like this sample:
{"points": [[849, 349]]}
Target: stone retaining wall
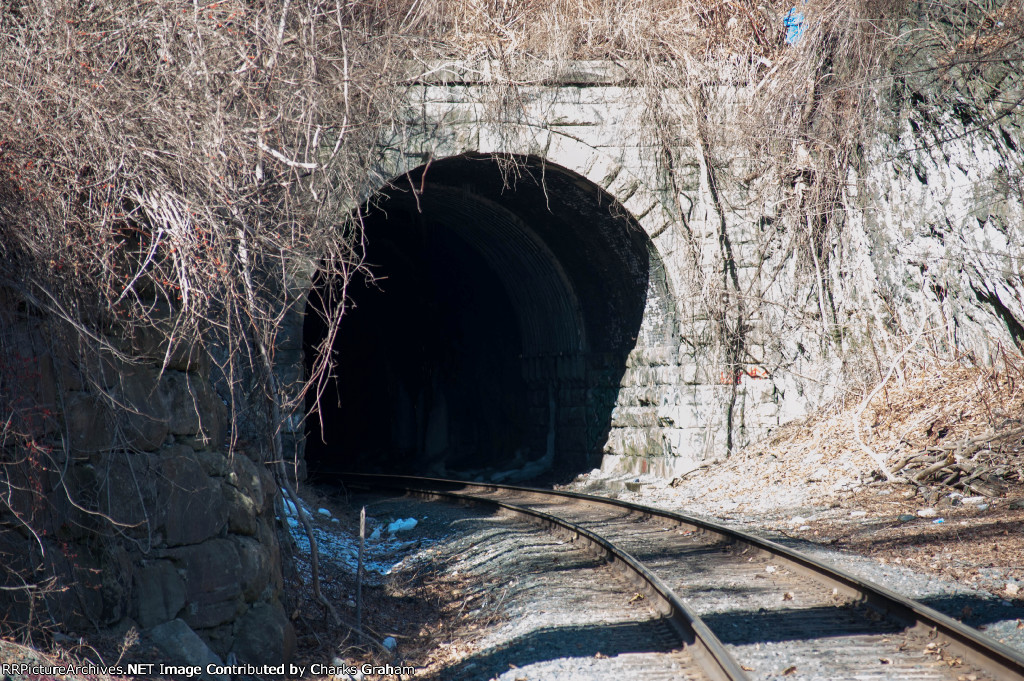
{"points": [[152, 518]]}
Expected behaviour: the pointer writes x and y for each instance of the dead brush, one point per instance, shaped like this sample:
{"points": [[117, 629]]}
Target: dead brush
{"points": [[967, 433]]}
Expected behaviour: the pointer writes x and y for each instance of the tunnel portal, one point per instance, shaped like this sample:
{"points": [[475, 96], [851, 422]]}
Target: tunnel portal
{"points": [[490, 338]]}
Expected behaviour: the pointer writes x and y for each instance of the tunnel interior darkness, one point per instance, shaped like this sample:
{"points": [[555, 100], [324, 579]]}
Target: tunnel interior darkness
{"points": [[494, 329]]}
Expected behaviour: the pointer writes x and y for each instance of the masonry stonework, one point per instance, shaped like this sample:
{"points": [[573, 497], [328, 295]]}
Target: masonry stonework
{"points": [[158, 525], [932, 242], [931, 247]]}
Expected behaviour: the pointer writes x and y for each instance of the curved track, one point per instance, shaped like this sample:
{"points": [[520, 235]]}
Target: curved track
{"points": [[745, 605]]}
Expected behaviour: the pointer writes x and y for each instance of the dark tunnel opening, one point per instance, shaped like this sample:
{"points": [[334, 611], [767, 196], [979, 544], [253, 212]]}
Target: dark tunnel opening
{"points": [[492, 338]]}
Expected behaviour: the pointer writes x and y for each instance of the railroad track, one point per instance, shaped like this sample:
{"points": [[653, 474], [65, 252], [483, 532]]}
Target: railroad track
{"points": [[742, 606]]}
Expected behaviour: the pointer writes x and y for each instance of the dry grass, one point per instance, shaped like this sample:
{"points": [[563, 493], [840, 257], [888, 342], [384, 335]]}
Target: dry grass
{"points": [[965, 417]]}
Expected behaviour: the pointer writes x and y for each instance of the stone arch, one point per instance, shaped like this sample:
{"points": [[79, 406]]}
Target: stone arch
{"points": [[439, 140], [561, 281], [631, 182]]}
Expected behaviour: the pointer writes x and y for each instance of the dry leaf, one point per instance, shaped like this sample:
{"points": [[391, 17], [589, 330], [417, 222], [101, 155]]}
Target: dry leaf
{"points": [[746, 668], [788, 596], [791, 669], [637, 596]]}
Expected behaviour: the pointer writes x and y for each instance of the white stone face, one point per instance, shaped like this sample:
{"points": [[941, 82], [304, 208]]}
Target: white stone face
{"points": [[929, 232]]}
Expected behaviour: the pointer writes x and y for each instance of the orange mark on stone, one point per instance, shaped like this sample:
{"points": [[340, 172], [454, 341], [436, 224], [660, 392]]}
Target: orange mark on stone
{"points": [[725, 378]]}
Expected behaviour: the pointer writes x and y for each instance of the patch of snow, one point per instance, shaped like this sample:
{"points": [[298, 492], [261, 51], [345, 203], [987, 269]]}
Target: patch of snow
{"points": [[401, 525], [324, 511], [382, 555], [291, 513]]}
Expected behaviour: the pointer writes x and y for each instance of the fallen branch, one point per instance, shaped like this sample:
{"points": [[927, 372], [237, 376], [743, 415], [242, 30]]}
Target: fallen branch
{"points": [[934, 468]]}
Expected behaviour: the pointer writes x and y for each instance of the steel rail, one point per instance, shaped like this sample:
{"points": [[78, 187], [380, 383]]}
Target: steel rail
{"points": [[696, 637], [975, 647]]}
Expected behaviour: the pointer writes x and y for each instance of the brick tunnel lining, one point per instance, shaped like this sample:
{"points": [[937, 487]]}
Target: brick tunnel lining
{"points": [[496, 330]]}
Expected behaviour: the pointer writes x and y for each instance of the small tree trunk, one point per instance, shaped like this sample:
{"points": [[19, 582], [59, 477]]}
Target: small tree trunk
{"points": [[359, 571]]}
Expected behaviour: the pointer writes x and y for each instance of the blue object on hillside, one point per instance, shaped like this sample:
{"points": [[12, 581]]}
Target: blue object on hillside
{"points": [[794, 25]]}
